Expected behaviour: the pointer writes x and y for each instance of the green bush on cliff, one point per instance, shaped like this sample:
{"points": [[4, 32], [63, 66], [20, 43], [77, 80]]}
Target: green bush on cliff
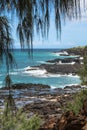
{"points": [[19, 121], [76, 104], [79, 97], [83, 72]]}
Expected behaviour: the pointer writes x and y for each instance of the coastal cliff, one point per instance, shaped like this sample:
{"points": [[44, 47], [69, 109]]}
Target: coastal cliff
{"points": [[82, 51]]}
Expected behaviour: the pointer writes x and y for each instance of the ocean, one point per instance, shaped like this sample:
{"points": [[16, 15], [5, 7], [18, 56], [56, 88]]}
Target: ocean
{"points": [[36, 76]]}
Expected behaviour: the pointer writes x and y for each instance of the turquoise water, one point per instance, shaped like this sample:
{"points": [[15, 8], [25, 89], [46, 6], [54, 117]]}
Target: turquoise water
{"points": [[40, 56]]}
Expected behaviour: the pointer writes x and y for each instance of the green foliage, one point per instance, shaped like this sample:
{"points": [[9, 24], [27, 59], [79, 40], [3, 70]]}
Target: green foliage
{"points": [[83, 72], [77, 102], [19, 121], [34, 15], [6, 42]]}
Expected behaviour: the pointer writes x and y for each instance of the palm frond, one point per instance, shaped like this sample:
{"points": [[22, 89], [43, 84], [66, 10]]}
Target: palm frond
{"points": [[37, 13], [6, 43]]}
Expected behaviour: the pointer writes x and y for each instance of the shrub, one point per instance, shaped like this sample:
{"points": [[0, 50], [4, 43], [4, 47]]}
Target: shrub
{"points": [[19, 121], [83, 71], [77, 102]]}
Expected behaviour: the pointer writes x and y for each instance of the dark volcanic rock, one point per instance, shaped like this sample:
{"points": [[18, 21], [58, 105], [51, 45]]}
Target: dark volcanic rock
{"points": [[72, 87], [69, 121], [28, 86], [49, 124], [62, 68], [65, 60], [45, 108], [77, 51]]}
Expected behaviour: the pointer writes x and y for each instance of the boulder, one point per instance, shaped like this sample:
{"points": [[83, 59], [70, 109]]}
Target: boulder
{"points": [[69, 121], [61, 68]]}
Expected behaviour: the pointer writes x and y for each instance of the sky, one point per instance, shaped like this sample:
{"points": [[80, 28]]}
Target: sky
{"points": [[74, 33]]}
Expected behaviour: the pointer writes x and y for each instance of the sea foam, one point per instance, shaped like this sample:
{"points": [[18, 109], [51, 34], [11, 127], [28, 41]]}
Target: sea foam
{"points": [[38, 72], [35, 71]]}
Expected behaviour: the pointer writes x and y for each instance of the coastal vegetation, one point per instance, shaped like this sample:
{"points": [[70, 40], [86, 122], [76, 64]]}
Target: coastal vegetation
{"points": [[20, 121], [78, 98], [77, 103], [83, 71], [81, 50], [32, 15]]}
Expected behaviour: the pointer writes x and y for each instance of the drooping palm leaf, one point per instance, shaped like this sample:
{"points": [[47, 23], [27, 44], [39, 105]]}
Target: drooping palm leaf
{"points": [[6, 43], [37, 13]]}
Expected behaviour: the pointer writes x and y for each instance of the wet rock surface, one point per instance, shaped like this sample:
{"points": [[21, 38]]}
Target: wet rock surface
{"points": [[41, 99], [62, 68], [62, 65], [73, 87], [50, 103], [50, 106], [66, 65], [65, 60], [27, 86]]}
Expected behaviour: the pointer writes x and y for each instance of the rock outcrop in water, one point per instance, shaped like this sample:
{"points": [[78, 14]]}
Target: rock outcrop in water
{"points": [[62, 68], [66, 60]]}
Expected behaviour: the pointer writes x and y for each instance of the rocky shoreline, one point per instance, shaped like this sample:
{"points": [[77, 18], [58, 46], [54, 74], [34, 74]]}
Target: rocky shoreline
{"points": [[81, 51], [47, 102], [63, 65], [41, 99]]}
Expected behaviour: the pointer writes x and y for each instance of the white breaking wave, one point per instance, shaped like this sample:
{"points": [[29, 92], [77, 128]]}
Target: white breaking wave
{"points": [[70, 84], [13, 73], [71, 75], [61, 53], [38, 72], [35, 71], [64, 54], [62, 86], [27, 68], [72, 63], [42, 62], [53, 87]]}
